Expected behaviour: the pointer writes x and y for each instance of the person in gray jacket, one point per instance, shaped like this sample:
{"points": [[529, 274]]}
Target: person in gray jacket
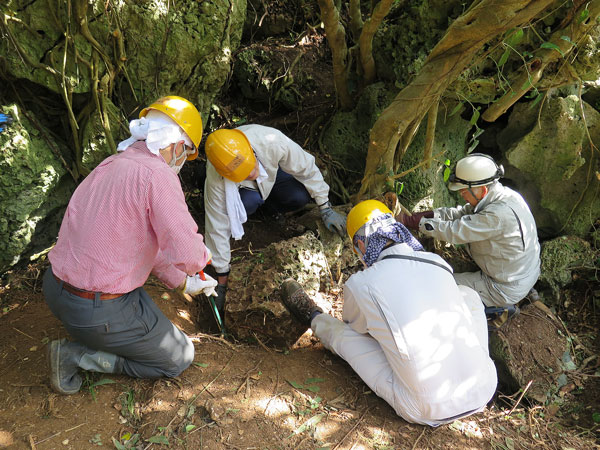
{"points": [[250, 166], [495, 225]]}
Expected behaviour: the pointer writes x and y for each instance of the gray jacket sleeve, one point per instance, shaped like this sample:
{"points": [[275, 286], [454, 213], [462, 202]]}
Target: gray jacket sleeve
{"points": [[217, 230], [465, 229]]}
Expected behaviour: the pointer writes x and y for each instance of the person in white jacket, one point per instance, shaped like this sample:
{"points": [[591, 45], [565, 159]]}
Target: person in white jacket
{"points": [[247, 167], [415, 337], [497, 228]]}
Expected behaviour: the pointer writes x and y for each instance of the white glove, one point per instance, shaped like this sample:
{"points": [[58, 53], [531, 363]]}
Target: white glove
{"points": [[196, 285]]}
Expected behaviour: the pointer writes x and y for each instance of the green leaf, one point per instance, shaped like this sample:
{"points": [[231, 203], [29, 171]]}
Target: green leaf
{"points": [[104, 381], [159, 439], [527, 84], [189, 427], [567, 38], [477, 133], [552, 46], [475, 116], [447, 163], [309, 423], [314, 380], [510, 444], [504, 58], [118, 445], [313, 388], [296, 385], [473, 145], [201, 364], [456, 109], [515, 38], [596, 417], [446, 174], [537, 100], [583, 15]]}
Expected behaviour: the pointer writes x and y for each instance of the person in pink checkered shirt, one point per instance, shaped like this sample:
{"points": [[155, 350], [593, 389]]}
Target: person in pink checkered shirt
{"points": [[126, 220]]}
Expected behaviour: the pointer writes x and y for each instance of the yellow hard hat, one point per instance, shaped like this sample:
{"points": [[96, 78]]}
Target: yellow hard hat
{"points": [[362, 213], [231, 154], [184, 113]]}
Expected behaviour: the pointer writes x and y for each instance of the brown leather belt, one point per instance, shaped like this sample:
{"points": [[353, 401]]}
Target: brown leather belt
{"points": [[85, 294]]}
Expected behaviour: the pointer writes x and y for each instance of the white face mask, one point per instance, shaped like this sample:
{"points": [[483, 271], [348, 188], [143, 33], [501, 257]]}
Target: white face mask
{"points": [[175, 167]]}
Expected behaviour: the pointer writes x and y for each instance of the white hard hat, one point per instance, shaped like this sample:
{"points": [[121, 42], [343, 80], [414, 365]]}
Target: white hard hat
{"points": [[477, 169]]}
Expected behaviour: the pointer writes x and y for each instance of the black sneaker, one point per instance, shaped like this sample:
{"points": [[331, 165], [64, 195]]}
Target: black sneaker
{"points": [[298, 302], [498, 316]]}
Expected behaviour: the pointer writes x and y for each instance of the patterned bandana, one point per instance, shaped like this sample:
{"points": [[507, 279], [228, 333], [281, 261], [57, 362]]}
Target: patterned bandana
{"points": [[376, 233]]}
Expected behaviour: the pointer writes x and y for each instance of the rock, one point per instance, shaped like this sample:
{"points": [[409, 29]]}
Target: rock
{"points": [[531, 347], [34, 187], [254, 308], [560, 258], [562, 192]]}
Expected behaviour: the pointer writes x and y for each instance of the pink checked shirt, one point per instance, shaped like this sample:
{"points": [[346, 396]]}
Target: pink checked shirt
{"points": [[126, 219]]}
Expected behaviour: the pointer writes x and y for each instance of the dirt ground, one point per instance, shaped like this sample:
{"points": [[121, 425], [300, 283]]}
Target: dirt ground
{"points": [[238, 395]]}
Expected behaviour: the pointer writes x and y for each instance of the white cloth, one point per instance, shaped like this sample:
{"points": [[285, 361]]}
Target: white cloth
{"points": [[416, 339], [157, 129], [274, 150], [235, 208], [501, 236]]}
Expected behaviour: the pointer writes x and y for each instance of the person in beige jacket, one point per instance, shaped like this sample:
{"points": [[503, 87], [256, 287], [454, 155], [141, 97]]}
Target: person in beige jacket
{"points": [[248, 167]]}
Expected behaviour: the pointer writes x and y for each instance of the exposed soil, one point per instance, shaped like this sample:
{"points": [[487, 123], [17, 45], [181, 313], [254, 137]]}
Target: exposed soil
{"points": [[245, 396]]}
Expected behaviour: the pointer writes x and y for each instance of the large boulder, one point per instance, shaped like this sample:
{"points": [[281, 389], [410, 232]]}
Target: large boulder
{"points": [[146, 46], [561, 191], [34, 187], [254, 309], [73, 106]]}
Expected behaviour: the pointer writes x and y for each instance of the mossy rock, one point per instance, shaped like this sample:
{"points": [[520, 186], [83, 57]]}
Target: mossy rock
{"points": [[561, 257], [34, 188]]}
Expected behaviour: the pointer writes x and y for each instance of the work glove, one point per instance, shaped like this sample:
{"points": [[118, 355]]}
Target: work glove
{"points": [[220, 298], [196, 285], [412, 222], [333, 220]]}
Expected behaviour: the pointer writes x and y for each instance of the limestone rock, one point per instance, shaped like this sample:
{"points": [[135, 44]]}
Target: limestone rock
{"points": [[34, 188], [562, 192], [254, 308], [560, 258]]}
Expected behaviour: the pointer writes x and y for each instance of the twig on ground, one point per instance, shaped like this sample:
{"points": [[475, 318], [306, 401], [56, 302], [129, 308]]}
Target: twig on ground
{"points": [[24, 334], [351, 429], [196, 338], [419, 438]]}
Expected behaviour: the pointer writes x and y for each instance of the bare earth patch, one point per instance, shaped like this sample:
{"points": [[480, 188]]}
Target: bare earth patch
{"points": [[236, 395]]}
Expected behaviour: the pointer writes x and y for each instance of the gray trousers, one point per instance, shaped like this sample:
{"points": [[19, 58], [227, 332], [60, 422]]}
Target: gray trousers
{"points": [[130, 326], [493, 293]]}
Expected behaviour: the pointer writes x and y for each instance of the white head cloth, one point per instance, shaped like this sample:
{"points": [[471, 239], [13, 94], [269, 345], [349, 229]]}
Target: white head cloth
{"points": [[157, 129]]}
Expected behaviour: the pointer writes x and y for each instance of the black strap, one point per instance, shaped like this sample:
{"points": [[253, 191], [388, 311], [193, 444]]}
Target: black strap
{"points": [[520, 227], [414, 258]]}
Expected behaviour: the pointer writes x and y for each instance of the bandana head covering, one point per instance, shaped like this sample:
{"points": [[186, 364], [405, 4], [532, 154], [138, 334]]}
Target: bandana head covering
{"points": [[157, 129], [376, 233]]}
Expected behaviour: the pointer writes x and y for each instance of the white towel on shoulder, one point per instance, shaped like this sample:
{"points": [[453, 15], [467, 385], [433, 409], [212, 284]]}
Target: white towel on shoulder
{"points": [[235, 209]]}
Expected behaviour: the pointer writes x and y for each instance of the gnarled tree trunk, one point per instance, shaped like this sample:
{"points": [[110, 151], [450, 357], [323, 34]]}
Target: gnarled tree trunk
{"points": [[464, 38]]}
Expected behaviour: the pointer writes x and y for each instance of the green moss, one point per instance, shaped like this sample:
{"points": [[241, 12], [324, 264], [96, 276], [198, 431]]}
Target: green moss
{"points": [[30, 188], [561, 256]]}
